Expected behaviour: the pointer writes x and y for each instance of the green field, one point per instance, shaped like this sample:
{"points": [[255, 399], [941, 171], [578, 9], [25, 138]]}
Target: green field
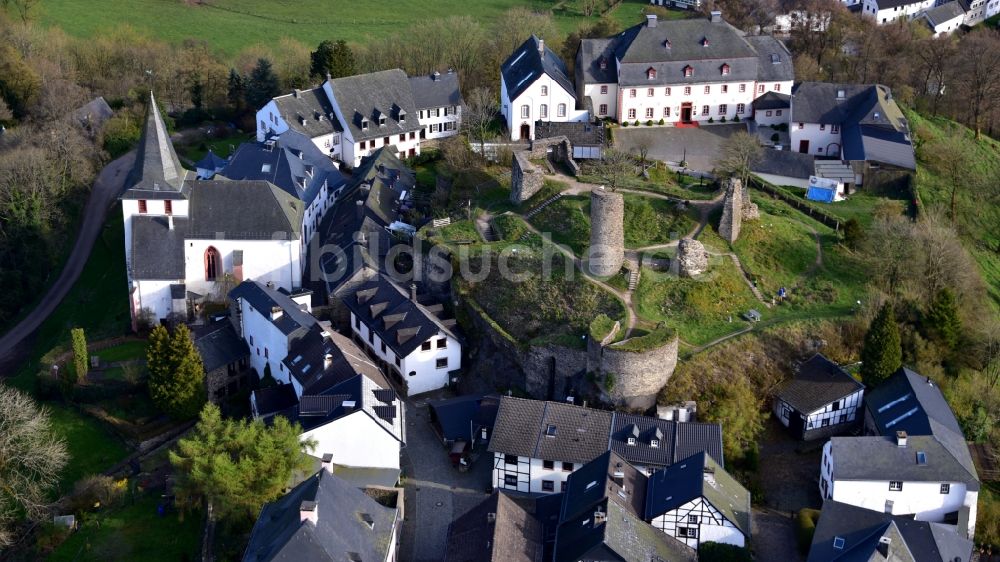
{"points": [[232, 25]]}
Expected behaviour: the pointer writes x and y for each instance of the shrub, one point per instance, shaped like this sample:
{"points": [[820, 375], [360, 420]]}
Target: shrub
{"points": [[723, 119], [649, 123], [609, 381], [783, 127], [720, 552], [853, 232], [711, 119], [80, 355], [96, 491], [775, 137], [661, 121], [624, 123], [805, 527], [736, 119], [636, 123]]}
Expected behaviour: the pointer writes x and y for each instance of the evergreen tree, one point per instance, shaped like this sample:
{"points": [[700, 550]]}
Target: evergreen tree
{"points": [[882, 353], [263, 85], [80, 354], [236, 91], [237, 465], [335, 58], [853, 233], [176, 374], [941, 319]]}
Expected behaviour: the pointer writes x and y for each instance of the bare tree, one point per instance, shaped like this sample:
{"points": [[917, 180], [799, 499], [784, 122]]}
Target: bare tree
{"points": [[614, 167], [739, 153], [31, 458], [976, 64], [934, 58], [479, 113]]}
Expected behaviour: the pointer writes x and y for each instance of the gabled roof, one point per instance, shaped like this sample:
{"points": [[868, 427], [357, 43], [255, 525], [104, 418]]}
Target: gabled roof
{"points": [[158, 250], [368, 96], [698, 476], [774, 60], [242, 210], [498, 529], [879, 458], [342, 527], [860, 529], [462, 416], [220, 345], [772, 100], [357, 395], [309, 112], [550, 430], [211, 161], [675, 440], [943, 13], [436, 90], [620, 536], [527, 63], [157, 172], [910, 402], [294, 322], [816, 383], [787, 163], [608, 477], [307, 360]]}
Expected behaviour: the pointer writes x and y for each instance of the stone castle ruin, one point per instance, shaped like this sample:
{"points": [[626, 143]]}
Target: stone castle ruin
{"points": [[638, 373], [526, 179], [736, 208], [692, 258], [607, 232]]}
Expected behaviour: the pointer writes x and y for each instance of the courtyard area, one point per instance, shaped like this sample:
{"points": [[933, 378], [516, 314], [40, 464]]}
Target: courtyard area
{"points": [[701, 146]]}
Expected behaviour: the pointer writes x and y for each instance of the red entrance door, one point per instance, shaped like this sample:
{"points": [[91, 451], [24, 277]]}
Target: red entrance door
{"points": [[685, 113]]}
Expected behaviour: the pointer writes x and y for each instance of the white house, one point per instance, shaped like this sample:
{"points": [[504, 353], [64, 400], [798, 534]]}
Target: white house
{"points": [[535, 86], [418, 348], [681, 71], [913, 459], [439, 104], [186, 239], [697, 501], [945, 19], [889, 11], [820, 400], [307, 112], [685, 4]]}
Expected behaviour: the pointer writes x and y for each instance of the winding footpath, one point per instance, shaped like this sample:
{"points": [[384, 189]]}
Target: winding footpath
{"points": [[107, 187]]}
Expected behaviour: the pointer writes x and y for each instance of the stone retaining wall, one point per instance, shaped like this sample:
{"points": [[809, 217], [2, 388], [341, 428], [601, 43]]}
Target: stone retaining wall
{"points": [[525, 178]]}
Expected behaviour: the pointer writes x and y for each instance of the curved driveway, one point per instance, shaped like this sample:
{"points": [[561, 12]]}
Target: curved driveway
{"points": [[107, 187]]}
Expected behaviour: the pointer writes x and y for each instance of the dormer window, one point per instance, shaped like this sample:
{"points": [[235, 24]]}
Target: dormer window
{"points": [[364, 124], [725, 70], [402, 116], [631, 441], [688, 71], [654, 443], [604, 63], [704, 41], [666, 43], [651, 73], [381, 120]]}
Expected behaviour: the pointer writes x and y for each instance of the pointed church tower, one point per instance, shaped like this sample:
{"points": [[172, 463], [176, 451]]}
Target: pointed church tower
{"points": [[156, 167]]}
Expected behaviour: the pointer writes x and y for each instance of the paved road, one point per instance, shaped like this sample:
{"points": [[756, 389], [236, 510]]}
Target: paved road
{"points": [[436, 493], [107, 188], [700, 145]]}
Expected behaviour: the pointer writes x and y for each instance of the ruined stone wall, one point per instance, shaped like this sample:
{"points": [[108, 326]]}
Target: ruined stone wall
{"points": [[525, 178], [607, 232], [692, 258], [732, 212], [638, 376], [750, 211]]}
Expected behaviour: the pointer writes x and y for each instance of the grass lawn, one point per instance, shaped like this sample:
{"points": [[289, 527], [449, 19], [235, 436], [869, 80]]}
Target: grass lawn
{"points": [[232, 25], [133, 532], [650, 221], [663, 181], [860, 206], [568, 221], [778, 248], [92, 447], [699, 309], [124, 352], [223, 148]]}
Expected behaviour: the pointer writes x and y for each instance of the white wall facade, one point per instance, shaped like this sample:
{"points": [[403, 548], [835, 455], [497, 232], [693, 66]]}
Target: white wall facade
{"points": [[270, 121], [606, 103], [948, 27], [724, 99], [276, 261], [407, 145], [924, 500], [823, 139], [889, 15], [440, 122], [770, 117], [698, 521], [356, 440], [541, 101], [153, 295], [266, 342], [530, 474]]}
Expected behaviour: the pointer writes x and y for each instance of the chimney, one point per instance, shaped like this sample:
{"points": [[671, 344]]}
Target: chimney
{"points": [[900, 438], [413, 292], [327, 462], [930, 382], [541, 46], [359, 204], [170, 222], [716, 16], [883, 546], [269, 284], [327, 361], [276, 312], [328, 75], [600, 517], [650, 20], [308, 511], [297, 93]]}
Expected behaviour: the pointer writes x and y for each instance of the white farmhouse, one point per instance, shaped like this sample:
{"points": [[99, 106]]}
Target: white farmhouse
{"points": [[406, 334], [307, 112], [820, 400], [439, 104], [697, 501], [185, 237], [946, 18], [913, 461], [889, 11], [535, 86], [680, 71]]}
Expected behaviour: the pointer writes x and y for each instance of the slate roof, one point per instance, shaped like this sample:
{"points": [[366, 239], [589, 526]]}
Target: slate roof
{"points": [[878, 458], [589, 57], [274, 399], [787, 163], [293, 163], [676, 440], [370, 95], [622, 536], [211, 161], [609, 476], [94, 113], [817, 102], [402, 323], [280, 534], [694, 477], [303, 110], [436, 90], [944, 13], [307, 355], [526, 64], [220, 345], [157, 172], [512, 535], [579, 133], [909, 402], [158, 251], [242, 210], [861, 529], [818, 382], [461, 417], [294, 322], [581, 434], [772, 100], [774, 60]]}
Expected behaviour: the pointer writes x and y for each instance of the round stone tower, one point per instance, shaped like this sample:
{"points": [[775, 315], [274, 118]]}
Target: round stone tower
{"points": [[607, 232]]}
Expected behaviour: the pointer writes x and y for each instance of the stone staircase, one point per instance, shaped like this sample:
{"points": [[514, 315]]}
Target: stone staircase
{"points": [[489, 233], [633, 275], [544, 204]]}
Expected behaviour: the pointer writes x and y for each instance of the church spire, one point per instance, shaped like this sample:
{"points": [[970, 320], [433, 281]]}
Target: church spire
{"points": [[156, 167]]}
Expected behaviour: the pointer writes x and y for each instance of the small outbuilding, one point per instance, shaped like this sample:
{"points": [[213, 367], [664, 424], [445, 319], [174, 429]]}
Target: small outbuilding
{"points": [[821, 400]]}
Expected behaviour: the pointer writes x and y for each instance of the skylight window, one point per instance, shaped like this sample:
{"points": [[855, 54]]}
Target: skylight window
{"points": [[591, 484], [550, 431], [838, 543], [898, 419], [893, 403], [266, 169], [921, 457], [523, 80]]}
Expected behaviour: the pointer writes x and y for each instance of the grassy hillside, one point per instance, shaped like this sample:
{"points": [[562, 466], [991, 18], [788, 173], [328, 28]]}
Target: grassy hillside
{"points": [[231, 25], [939, 141]]}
